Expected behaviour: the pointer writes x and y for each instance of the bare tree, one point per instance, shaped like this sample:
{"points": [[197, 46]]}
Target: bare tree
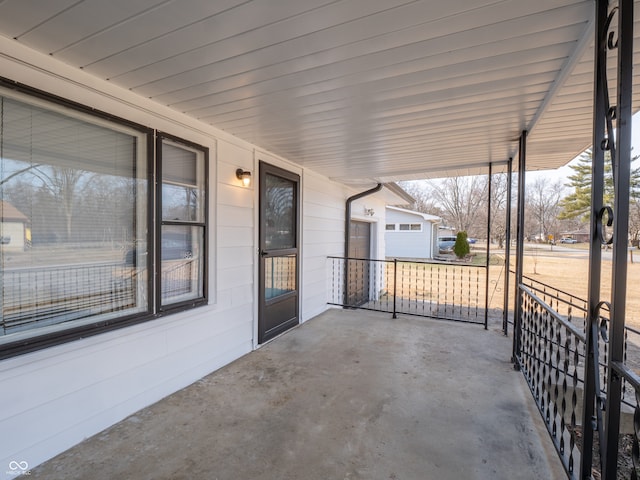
{"points": [[498, 208], [543, 204], [424, 199], [634, 221], [462, 200], [63, 184]]}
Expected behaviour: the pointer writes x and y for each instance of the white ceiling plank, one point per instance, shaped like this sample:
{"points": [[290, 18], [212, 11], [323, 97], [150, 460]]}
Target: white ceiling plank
{"points": [[359, 56], [360, 63], [87, 18], [18, 17], [354, 89], [349, 40], [182, 39], [139, 30]]}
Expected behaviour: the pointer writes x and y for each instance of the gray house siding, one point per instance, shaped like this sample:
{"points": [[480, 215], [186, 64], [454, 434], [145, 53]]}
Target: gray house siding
{"points": [[405, 240]]}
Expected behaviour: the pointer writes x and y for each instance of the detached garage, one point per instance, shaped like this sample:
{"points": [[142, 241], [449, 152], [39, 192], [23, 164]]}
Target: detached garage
{"points": [[410, 234]]}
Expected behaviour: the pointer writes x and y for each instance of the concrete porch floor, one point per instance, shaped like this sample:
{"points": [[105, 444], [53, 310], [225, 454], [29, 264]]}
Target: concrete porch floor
{"points": [[347, 395]]}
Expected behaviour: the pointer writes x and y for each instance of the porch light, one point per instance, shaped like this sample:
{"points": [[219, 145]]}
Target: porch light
{"points": [[244, 176]]}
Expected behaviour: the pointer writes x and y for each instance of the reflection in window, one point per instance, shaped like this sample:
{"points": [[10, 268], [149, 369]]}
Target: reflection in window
{"points": [[183, 215], [281, 213], [182, 183], [76, 248], [70, 218], [280, 276], [181, 263]]}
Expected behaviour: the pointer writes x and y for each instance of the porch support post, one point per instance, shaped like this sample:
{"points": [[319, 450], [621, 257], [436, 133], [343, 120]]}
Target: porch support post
{"points": [[507, 250], [621, 173], [591, 376], [486, 286], [522, 165]]}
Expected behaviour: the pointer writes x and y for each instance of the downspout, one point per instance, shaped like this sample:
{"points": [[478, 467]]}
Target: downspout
{"points": [[347, 235], [347, 215]]}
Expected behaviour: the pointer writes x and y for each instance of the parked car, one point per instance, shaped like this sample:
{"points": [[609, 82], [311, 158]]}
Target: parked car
{"points": [[445, 244], [568, 240], [173, 247]]}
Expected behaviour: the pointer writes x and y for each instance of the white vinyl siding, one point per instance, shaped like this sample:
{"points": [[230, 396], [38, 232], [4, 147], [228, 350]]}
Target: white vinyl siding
{"points": [[412, 237]]}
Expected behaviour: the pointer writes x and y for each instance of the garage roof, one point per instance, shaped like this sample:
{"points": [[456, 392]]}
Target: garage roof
{"points": [[357, 90]]}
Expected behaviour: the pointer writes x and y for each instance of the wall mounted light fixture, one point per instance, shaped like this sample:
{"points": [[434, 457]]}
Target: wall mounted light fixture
{"points": [[244, 176]]}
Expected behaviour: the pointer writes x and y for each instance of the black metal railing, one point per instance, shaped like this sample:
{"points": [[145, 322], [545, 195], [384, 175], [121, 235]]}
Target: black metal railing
{"points": [[574, 310], [552, 359], [180, 279], [632, 380], [440, 290], [551, 348], [36, 297]]}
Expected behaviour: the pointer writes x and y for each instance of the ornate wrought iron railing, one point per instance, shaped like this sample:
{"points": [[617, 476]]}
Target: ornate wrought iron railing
{"points": [[550, 359], [574, 310]]}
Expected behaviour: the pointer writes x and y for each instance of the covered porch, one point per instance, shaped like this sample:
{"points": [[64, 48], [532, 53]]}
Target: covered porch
{"points": [[339, 96], [349, 394]]}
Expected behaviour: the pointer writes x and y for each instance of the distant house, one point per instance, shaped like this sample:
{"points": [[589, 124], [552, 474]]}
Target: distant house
{"points": [[410, 234], [446, 231], [13, 227]]}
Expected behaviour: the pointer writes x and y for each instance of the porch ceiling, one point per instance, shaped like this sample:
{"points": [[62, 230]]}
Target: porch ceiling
{"points": [[357, 90]]}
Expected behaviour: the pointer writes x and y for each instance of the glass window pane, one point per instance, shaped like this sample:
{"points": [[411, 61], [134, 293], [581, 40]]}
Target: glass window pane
{"points": [[280, 221], [73, 195], [182, 263], [182, 183], [280, 276]]}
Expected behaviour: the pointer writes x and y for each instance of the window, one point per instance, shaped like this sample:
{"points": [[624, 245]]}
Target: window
{"points": [[390, 227], [182, 231], [78, 253], [414, 227]]}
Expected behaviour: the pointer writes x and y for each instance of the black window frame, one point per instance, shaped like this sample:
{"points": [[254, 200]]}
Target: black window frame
{"points": [[159, 222], [153, 160]]}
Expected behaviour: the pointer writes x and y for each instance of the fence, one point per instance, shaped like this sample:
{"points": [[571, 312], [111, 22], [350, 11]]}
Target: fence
{"points": [[49, 295], [451, 291], [551, 355], [180, 280]]}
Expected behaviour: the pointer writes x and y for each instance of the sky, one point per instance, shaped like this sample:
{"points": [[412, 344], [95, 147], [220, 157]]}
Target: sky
{"points": [[565, 171]]}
